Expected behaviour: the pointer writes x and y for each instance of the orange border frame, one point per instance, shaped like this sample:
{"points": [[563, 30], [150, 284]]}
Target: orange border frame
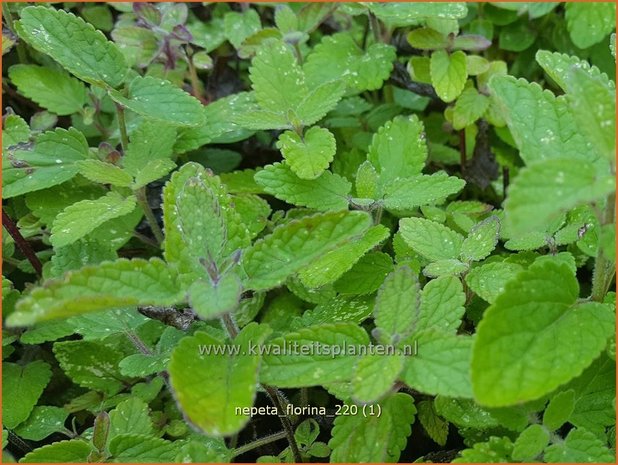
{"points": [[277, 1]]}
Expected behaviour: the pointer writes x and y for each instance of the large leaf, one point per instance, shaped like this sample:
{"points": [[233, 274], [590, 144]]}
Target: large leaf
{"points": [[536, 336], [162, 101], [21, 388], [211, 387], [357, 439], [296, 244], [109, 285], [52, 89], [74, 43]]}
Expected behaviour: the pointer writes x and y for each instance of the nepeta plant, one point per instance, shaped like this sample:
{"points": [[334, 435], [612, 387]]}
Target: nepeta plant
{"points": [[358, 232]]}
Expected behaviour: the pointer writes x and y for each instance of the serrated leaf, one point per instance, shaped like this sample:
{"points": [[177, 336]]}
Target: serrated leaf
{"points": [[579, 446], [328, 192], [150, 142], [286, 364], [73, 451], [409, 193], [494, 450], [331, 266], [513, 336], [432, 240], [109, 285], [338, 309], [160, 100], [42, 422], [541, 124], [448, 74], [104, 173], [141, 449], [397, 305], [559, 409], [470, 106], [390, 157], [210, 387], [21, 387], [545, 190], [319, 101], [339, 57], [530, 443], [91, 364], [436, 427], [295, 245], [50, 162], [238, 26], [356, 438], [374, 376], [75, 44], [83, 217], [442, 305], [481, 240], [558, 66], [450, 267], [589, 24], [14, 131], [488, 281], [130, 416], [308, 156], [441, 365], [54, 90], [210, 299]]}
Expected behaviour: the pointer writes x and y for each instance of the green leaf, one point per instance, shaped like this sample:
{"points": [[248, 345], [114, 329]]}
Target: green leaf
{"points": [[397, 305], [545, 190], [239, 26], [441, 366], [43, 421], [488, 281], [328, 192], [409, 193], [448, 74], [436, 427], [559, 409], [150, 143], [91, 364], [21, 388], [374, 376], [580, 446], [589, 24], [541, 124], [104, 173], [514, 337], [469, 107], [308, 156], [442, 305], [130, 416], [593, 103], [83, 217], [75, 44], [357, 439], [162, 101], [530, 443], [344, 309], [390, 157], [296, 244], [73, 451], [213, 298], [558, 66], [54, 90], [332, 265], [450, 267], [320, 101], [14, 131], [50, 162], [432, 240], [109, 285], [494, 450], [405, 14], [425, 38], [141, 449], [286, 364], [481, 240], [338, 56], [210, 388]]}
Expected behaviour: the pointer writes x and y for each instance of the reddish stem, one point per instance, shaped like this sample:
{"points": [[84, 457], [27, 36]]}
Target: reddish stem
{"points": [[22, 243]]}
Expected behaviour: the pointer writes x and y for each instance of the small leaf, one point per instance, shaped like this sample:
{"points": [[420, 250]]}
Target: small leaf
{"points": [[427, 39], [320, 101], [130, 416], [21, 387], [488, 281], [211, 299], [469, 107], [75, 44], [579, 446], [42, 422], [73, 451], [530, 443], [150, 141], [432, 240], [374, 376], [448, 73], [589, 24], [308, 156], [559, 409], [436, 427], [14, 131], [104, 173], [162, 101], [409, 193], [141, 449], [54, 90], [239, 26], [481, 240]]}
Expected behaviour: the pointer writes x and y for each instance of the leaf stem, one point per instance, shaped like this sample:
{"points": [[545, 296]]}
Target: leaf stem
{"points": [[122, 125], [259, 443], [22, 243], [375, 27], [150, 217], [603, 272]]}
